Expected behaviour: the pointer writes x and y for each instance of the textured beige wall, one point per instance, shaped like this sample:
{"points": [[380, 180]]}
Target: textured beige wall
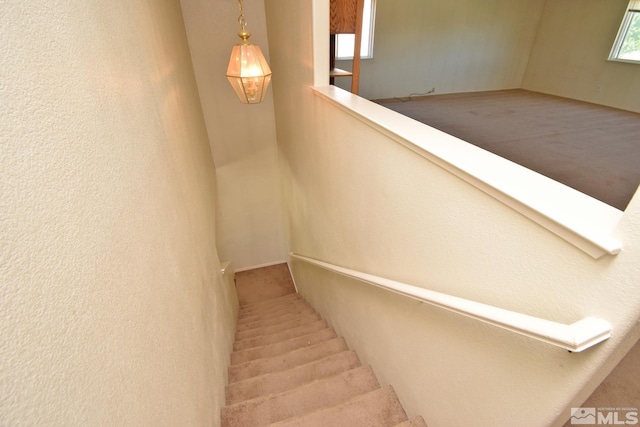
{"points": [[621, 388], [358, 199], [570, 54], [452, 46], [112, 308], [242, 137]]}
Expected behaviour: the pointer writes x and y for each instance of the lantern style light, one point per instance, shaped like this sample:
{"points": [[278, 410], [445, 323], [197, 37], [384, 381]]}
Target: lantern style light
{"points": [[248, 71]]}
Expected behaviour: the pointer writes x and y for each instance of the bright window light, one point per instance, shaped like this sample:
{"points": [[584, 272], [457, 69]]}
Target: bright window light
{"points": [[627, 45], [345, 42]]}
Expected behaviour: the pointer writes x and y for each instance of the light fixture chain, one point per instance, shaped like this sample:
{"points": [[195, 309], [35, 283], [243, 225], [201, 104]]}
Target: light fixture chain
{"points": [[241, 20]]}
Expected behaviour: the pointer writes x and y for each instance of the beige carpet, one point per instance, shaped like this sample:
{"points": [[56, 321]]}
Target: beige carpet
{"points": [[264, 283], [591, 148], [289, 368]]}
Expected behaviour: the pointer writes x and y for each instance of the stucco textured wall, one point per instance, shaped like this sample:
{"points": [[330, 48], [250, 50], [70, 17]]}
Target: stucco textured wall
{"points": [[356, 198], [112, 307]]}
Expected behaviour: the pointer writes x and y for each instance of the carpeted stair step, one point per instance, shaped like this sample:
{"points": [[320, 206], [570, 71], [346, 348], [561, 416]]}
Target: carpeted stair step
{"points": [[283, 326], [285, 361], [413, 422], [245, 314], [274, 304], [289, 368], [273, 313], [275, 320], [280, 336], [270, 302], [310, 397], [278, 382], [271, 350], [378, 408]]}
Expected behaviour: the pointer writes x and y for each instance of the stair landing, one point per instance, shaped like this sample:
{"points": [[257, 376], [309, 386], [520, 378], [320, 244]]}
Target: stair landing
{"points": [[264, 283]]}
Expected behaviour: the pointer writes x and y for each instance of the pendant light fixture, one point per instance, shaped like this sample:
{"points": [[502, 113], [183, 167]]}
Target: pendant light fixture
{"points": [[248, 71]]}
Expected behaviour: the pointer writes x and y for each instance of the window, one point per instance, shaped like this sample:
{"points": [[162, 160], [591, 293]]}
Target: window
{"points": [[627, 45], [345, 42]]}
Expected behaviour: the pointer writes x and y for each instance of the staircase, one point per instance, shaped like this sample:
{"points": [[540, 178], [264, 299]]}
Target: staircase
{"points": [[289, 368]]}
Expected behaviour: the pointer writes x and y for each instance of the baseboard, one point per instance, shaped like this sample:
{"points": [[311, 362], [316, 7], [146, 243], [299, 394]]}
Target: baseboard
{"points": [[295, 286], [269, 264]]}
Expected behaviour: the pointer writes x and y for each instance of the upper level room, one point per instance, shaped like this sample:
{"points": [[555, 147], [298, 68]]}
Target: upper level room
{"points": [[559, 47], [565, 52]]}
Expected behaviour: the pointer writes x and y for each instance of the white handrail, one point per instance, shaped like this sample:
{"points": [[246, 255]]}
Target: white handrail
{"points": [[575, 337]]}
